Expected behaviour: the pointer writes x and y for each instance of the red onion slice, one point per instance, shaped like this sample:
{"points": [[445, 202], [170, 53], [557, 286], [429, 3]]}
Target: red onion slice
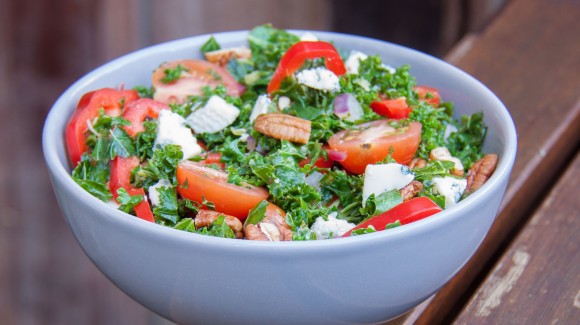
{"points": [[347, 107], [336, 155]]}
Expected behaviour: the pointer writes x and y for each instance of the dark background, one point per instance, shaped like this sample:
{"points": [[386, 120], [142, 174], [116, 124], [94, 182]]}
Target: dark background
{"points": [[46, 45]]}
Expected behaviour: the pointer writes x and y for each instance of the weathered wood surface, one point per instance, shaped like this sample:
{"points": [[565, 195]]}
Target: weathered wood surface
{"points": [[530, 57], [537, 281]]}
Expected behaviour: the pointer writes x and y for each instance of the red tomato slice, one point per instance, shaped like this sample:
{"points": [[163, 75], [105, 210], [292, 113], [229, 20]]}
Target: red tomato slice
{"points": [[196, 181], [138, 111], [392, 108], [406, 212], [121, 177], [428, 94], [111, 100], [196, 75], [301, 51], [371, 142], [214, 158]]}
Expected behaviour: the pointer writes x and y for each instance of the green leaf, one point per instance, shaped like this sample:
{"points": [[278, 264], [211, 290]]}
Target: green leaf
{"points": [[218, 228], [172, 74], [210, 45], [98, 190], [121, 144], [393, 225], [186, 224], [144, 92], [128, 202], [362, 231], [257, 214], [387, 200], [433, 168], [167, 208]]}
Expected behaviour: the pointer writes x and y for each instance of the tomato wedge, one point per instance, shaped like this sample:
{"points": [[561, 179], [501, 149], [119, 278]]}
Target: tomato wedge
{"points": [[111, 100], [406, 212], [195, 75], [138, 111], [371, 142], [392, 108], [301, 51], [197, 182], [428, 94], [215, 159], [121, 177]]}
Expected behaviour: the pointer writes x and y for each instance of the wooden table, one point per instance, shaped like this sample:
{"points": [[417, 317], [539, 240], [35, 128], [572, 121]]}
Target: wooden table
{"points": [[526, 271]]}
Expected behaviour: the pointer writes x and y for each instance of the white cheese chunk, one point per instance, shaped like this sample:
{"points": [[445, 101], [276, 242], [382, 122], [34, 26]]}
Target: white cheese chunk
{"points": [[260, 107], [154, 193], [308, 37], [171, 129], [352, 63], [449, 128], [283, 102], [215, 116], [331, 228], [319, 78], [385, 177], [450, 187]]}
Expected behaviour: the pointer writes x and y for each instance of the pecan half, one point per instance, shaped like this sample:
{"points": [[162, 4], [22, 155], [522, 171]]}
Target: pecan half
{"points": [[272, 228], [223, 56], [283, 127], [480, 172], [417, 163], [411, 190], [205, 218]]}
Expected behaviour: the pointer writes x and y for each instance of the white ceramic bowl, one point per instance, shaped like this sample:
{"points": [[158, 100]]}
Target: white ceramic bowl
{"points": [[190, 278]]}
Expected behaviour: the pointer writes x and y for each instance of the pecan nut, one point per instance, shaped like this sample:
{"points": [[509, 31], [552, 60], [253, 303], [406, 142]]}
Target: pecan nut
{"points": [[480, 172], [223, 56], [411, 190], [272, 228], [283, 127], [417, 163], [205, 218]]}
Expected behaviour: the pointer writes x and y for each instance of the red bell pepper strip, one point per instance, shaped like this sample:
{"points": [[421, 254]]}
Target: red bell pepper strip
{"points": [[392, 108], [111, 100], [406, 212], [138, 111], [301, 51], [121, 177]]}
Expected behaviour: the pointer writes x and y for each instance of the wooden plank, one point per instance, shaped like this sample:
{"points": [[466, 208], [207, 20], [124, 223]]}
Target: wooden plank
{"points": [[537, 281], [45, 278], [530, 58], [201, 17]]}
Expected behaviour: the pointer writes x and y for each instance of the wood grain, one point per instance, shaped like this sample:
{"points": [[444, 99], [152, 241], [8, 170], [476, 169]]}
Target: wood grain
{"points": [[537, 281], [530, 58]]}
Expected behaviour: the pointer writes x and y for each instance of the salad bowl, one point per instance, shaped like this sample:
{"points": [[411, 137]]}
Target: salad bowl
{"points": [[190, 278]]}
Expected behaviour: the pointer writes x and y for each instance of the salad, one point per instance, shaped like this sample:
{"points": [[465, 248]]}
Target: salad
{"points": [[288, 138]]}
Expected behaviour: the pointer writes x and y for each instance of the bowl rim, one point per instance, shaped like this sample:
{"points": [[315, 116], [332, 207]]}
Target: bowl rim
{"points": [[51, 134]]}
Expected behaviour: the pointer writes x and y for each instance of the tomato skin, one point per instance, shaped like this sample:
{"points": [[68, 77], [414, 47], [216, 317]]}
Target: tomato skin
{"points": [[301, 51], [371, 143], [121, 177], [199, 74], [422, 91], [409, 211], [214, 158], [392, 108], [87, 109], [138, 111], [197, 181]]}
